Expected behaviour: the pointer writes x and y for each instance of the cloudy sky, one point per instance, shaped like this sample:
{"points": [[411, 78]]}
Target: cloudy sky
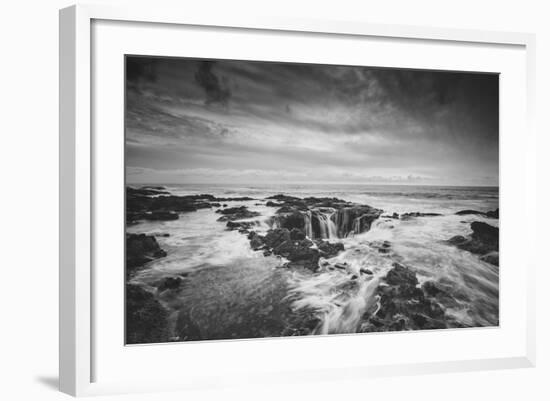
{"points": [[204, 121]]}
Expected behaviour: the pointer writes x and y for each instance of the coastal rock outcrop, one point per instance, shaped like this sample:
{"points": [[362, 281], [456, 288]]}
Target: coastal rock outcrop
{"points": [[236, 213], [295, 247], [327, 218], [484, 240], [156, 203], [403, 305], [146, 318], [141, 249], [493, 214], [406, 216]]}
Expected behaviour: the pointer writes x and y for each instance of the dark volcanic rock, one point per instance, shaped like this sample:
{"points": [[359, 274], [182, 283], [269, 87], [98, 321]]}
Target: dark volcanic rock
{"points": [[238, 199], [292, 220], [294, 246], [299, 253], [391, 216], [355, 219], [491, 214], [283, 198], [147, 202], [432, 288], [240, 225], [328, 249], [146, 191], [256, 240], [492, 258], [236, 213], [146, 318], [140, 249], [155, 188], [273, 204], [318, 217], [406, 216], [404, 306], [401, 276], [297, 234], [170, 283], [483, 240], [467, 212], [276, 237], [485, 233]]}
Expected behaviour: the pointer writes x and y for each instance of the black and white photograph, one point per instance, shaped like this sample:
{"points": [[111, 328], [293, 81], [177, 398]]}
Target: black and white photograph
{"points": [[276, 199]]}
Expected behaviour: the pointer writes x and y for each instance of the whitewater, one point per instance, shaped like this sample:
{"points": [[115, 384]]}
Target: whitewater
{"points": [[233, 291]]}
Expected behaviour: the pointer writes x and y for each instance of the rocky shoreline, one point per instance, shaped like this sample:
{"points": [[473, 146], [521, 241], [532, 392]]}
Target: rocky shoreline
{"points": [[304, 233]]}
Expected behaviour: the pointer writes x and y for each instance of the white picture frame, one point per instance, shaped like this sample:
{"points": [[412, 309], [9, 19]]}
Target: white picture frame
{"points": [[78, 350]]}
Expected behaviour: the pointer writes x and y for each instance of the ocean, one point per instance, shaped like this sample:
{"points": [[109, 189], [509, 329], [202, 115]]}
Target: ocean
{"points": [[232, 291]]}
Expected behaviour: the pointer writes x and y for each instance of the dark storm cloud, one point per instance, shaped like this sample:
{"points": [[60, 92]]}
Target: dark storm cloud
{"points": [[311, 122], [212, 85]]}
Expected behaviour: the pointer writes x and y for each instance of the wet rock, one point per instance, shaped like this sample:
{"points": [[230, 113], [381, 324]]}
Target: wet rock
{"points": [[341, 266], [146, 318], [329, 249], [155, 188], [170, 283], [294, 220], [273, 204], [355, 219], [240, 225], [236, 213], [467, 212], [299, 253], [286, 209], [310, 215], [483, 240], [493, 214], [432, 289], [399, 275], [364, 270], [256, 241], [294, 246], [179, 203], [141, 249], [145, 191], [276, 237], [457, 240], [297, 234], [283, 198], [391, 216], [485, 233], [404, 306], [237, 199], [492, 258], [147, 202], [406, 216]]}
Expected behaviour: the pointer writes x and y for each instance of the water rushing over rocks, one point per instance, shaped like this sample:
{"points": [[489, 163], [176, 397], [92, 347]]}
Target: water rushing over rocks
{"points": [[245, 263]]}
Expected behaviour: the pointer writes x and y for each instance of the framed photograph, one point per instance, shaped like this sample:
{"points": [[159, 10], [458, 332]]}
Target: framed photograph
{"points": [[296, 200]]}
